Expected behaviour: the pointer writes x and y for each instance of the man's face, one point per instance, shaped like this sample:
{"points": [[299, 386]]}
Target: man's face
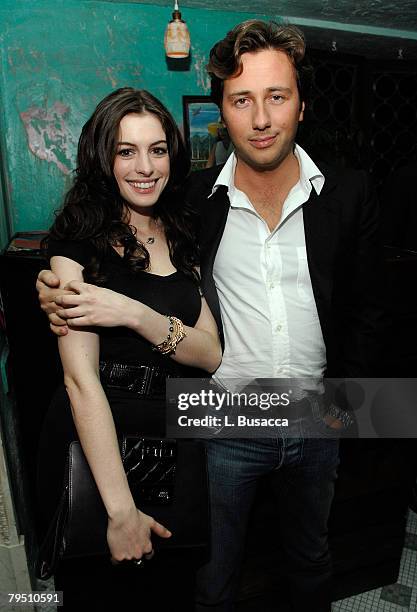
{"points": [[261, 109]]}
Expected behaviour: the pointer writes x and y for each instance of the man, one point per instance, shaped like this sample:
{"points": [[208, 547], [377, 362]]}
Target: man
{"points": [[289, 269], [288, 252]]}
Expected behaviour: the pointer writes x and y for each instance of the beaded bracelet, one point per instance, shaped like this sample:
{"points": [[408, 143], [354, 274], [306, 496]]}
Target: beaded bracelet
{"points": [[176, 333]]}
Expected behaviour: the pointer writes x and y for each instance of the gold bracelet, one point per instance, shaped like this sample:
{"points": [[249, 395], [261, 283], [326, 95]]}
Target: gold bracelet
{"points": [[176, 333]]}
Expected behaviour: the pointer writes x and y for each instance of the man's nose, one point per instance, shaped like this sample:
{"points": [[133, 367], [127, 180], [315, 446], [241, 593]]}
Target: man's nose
{"points": [[260, 119]]}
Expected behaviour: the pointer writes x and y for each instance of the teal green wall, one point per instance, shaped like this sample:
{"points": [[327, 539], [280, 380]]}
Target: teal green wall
{"points": [[58, 60], [4, 220]]}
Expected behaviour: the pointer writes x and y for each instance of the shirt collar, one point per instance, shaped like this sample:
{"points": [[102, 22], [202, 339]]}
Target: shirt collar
{"points": [[309, 172], [227, 175]]}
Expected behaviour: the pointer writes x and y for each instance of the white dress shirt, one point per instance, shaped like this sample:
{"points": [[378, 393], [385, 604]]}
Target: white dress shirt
{"points": [[270, 321]]}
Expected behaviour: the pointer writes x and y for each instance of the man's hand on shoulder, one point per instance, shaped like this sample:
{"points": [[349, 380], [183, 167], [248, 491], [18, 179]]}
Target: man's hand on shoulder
{"points": [[47, 286]]}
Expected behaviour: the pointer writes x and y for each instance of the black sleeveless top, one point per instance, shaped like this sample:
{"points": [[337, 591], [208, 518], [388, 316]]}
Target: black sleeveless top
{"points": [[175, 294]]}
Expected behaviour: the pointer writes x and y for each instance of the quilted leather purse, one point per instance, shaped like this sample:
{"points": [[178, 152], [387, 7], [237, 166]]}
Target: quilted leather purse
{"points": [[168, 480]]}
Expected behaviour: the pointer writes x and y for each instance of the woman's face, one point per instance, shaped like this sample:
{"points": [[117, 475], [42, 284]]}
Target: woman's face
{"points": [[141, 165]]}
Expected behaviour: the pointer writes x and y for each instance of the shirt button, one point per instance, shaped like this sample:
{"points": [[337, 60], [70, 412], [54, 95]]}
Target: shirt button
{"points": [[278, 327], [271, 285]]}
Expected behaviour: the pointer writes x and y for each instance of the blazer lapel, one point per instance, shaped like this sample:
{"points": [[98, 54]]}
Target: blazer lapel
{"points": [[213, 220], [321, 227]]}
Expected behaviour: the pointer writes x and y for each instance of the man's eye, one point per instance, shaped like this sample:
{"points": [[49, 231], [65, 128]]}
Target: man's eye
{"points": [[277, 98], [241, 101]]}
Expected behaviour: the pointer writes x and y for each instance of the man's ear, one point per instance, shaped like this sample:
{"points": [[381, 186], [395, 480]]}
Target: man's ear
{"points": [[302, 109]]}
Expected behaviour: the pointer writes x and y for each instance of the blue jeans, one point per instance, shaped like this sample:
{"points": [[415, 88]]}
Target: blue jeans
{"points": [[303, 473]]}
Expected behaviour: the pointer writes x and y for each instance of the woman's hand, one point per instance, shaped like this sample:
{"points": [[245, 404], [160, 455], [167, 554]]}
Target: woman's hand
{"points": [[89, 305], [129, 536]]}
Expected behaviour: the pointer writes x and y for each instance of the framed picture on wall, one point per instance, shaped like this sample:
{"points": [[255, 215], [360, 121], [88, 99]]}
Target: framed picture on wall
{"points": [[201, 122]]}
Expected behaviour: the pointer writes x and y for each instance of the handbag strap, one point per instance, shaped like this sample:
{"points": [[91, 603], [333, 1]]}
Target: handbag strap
{"points": [[51, 548]]}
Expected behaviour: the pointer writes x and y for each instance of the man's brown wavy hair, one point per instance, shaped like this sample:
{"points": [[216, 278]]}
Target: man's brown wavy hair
{"points": [[249, 37]]}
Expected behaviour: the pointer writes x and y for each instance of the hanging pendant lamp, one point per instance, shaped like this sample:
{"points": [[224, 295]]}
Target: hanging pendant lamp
{"points": [[177, 36]]}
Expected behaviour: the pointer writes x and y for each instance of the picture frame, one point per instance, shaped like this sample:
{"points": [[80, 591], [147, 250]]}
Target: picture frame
{"points": [[201, 119]]}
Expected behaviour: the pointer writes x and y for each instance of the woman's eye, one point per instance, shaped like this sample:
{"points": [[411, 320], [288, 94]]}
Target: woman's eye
{"points": [[125, 152], [159, 151]]}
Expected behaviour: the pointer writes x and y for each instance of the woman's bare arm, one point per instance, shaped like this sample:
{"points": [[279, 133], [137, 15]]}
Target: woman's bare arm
{"points": [[128, 530]]}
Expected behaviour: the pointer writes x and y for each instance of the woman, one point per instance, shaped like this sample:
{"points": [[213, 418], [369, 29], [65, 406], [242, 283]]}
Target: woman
{"points": [[124, 226]]}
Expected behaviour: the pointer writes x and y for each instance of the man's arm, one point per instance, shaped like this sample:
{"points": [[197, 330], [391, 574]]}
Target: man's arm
{"points": [[364, 314], [47, 285]]}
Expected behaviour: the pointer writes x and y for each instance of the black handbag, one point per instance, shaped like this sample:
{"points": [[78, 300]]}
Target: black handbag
{"points": [[168, 480]]}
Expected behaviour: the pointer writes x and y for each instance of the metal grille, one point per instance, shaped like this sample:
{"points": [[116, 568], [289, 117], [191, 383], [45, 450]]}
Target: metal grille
{"points": [[331, 130], [393, 122], [362, 113], [332, 96]]}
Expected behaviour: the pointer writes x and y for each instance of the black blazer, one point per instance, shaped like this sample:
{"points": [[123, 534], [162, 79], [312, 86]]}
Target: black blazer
{"points": [[344, 256]]}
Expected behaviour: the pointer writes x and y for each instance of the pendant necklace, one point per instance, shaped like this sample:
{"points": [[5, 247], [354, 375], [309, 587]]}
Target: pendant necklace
{"points": [[150, 239]]}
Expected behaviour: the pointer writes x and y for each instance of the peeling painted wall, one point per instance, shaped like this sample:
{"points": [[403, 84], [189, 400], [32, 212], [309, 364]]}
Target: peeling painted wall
{"points": [[58, 60], [48, 135]]}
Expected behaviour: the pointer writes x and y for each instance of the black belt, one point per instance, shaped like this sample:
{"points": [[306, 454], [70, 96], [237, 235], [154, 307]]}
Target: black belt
{"points": [[140, 379]]}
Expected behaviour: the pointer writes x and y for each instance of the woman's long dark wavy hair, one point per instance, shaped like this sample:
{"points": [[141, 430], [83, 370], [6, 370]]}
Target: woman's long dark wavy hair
{"points": [[95, 211]]}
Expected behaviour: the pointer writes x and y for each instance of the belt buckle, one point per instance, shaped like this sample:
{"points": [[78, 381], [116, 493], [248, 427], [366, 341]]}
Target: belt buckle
{"points": [[139, 380], [146, 380], [151, 380]]}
